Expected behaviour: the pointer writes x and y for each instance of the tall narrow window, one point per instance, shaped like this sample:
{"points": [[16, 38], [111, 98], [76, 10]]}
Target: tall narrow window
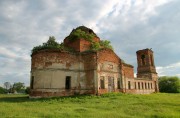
{"points": [[118, 84], [148, 86], [129, 85], [32, 82], [138, 85], [152, 62], [142, 85], [68, 82], [145, 86], [143, 60], [102, 82], [151, 85]]}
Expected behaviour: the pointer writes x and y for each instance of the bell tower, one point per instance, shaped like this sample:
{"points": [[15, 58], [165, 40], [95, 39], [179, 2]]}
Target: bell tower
{"points": [[146, 67]]}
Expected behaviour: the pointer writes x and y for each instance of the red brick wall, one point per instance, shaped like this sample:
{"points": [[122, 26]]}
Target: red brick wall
{"points": [[89, 60], [45, 58], [80, 45], [148, 67], [84, 45], [128, 71], [108, 55], [73, 44]]}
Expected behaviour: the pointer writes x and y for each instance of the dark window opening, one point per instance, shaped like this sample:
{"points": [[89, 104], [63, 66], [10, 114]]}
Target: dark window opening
{"points": [[90, 31], [152, 62], [118, 84], [148, 86], [129, 85], [102, 83], [68, 82], [143, 60], [145, 86], [142, 85], [32, 82], [151, 85], [138, 85]]}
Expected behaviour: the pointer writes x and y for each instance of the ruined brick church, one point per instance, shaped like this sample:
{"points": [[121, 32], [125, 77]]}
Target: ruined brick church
{"points": [[85, 71]]}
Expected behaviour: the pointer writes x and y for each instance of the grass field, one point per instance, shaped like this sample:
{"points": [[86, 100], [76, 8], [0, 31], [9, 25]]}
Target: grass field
{"points": [[105, 106]]}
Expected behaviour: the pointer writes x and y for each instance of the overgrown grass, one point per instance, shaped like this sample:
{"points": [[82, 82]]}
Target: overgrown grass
{"points": [[105, 106]]}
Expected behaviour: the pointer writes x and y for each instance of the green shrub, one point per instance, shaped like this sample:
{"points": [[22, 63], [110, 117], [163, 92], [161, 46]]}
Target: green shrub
{"points": [[2, 90], [95, 46], [27, 90], [169, 84], [78, 34], [50, 44], [106, 44], [102, 44]]}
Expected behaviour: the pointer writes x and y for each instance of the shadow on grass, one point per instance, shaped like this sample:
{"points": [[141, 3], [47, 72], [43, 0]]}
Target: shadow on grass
{"points": [[13, 98]]}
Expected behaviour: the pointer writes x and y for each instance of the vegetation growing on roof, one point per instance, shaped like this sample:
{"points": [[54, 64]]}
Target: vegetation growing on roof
{"points": [[78, 34], [50, 44], [81, 32], [106, 44], [85, 33], [100, 45], [95, 46]]}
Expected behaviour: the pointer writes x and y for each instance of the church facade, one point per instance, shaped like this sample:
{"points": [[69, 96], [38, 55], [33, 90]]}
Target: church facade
{"points": [[83, 71]]}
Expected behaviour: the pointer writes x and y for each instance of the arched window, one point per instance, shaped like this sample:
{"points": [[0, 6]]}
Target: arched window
{"points": [[143, 59], [148, 86], [129, 85], [142, 85], [139, 85], [102, 83], [152, 62]]}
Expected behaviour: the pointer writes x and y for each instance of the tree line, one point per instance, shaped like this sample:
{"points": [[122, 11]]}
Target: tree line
{"points": [[169, 84], [17, 87]]}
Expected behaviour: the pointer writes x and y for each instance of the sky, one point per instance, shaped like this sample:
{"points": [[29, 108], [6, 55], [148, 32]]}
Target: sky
{"points": [[130, 25]]}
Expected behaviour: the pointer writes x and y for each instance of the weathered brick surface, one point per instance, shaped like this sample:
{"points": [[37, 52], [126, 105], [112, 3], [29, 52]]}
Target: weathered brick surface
{"points": [[148, 65], [108, 55], [46, 58], [128, 71], [51, 70], [80, 45], [46, 93]]}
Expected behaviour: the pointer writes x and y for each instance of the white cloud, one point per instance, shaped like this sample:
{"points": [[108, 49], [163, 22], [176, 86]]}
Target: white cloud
{"points": [[130, 25], [170, 70]]}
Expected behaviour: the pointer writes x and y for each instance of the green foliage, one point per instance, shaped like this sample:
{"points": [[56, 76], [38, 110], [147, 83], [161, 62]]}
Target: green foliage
{"points": [[106, 44], [169, 84], [2, 90], [95, 46], [78, 34], [113, 105], [102, 44], [27, 90], [50, 44], [18, 87]]}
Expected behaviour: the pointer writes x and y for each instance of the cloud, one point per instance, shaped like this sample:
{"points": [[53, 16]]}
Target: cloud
{"points": [[130, 25], [170, 70]]}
